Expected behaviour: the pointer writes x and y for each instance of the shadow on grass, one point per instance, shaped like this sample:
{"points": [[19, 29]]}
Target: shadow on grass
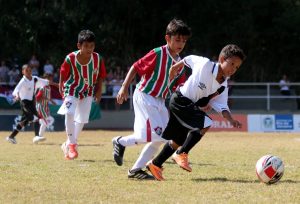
{"points": [[222, 179], [80, 145], [193, 164]]}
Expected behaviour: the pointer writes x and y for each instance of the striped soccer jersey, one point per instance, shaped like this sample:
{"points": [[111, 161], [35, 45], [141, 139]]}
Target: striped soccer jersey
{"points": [[43, 97], [81, 79], [154, 71]]}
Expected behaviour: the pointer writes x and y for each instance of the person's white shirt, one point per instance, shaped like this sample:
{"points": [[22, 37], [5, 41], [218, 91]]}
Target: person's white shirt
{"points": [[25, 88], [284, 85], [203, 83]]}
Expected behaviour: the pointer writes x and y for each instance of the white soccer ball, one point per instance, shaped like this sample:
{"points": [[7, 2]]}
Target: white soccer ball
{"points": [[269, 169]]}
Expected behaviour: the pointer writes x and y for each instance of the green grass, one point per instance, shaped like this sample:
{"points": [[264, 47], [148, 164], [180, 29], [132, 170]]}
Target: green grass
{"points": [[223, 171]]}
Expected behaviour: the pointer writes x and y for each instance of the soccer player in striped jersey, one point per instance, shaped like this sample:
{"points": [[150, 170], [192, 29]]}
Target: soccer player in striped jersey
{"points": [[206, 88], [151, 114], [81, 73], [43, 96]]}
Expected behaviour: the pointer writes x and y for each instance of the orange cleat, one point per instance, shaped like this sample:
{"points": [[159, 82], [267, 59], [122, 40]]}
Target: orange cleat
{"points": [[72, 153], [155, 171], [182, 161]]}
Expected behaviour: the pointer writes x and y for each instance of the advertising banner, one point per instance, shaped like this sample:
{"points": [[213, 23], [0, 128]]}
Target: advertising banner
{"points": [[221, 124]]}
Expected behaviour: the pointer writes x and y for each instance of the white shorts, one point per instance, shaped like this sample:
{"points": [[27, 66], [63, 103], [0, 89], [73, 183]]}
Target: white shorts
{"points": [[151, 117], [80, 108]]}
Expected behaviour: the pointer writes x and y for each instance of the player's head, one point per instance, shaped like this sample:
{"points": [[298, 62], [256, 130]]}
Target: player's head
{"points": [[26, 71], [231, 58], [177, 34], [86, 41], [48, 76]]}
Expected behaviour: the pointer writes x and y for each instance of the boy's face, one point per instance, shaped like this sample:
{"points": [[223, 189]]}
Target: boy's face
{"points": [[176, 43], [230, 65], [27, 72], [86, 48]]}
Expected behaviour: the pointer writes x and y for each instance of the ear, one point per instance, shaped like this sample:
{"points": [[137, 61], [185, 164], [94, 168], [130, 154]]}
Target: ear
{"points": [[168, 38], [78, 46], [221, 59]]}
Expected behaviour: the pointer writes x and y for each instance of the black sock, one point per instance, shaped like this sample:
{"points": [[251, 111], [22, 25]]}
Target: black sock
{"points": [[36, 128], [192, 139], [164, 154], [16, 131]]}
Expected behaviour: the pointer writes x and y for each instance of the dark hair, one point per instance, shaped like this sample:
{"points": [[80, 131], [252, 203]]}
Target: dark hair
{"points": [[86, 36], [232, 50], [178, 27]]}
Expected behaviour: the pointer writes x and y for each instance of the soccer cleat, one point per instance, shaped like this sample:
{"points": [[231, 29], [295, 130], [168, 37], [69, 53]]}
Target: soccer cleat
{"points": [[118, 151], [72, 153], [182, 161], [139, 174], [11, 140], [38, 139], [65, 149], [155, 171]]}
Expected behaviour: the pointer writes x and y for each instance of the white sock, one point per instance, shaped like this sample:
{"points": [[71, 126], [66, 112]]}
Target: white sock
{"points": [[42, 129], [127, 140], [147, 154], [70, 126], [77, 130]]}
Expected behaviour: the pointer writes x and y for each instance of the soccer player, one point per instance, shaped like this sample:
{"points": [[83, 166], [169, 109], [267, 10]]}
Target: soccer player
{"points": [[205, 88], [151, 114], [43, 96], [81, 73], [25, 92]]}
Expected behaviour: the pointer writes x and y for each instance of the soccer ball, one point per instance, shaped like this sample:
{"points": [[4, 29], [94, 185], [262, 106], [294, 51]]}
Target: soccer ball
{"points": [[269, 169]]}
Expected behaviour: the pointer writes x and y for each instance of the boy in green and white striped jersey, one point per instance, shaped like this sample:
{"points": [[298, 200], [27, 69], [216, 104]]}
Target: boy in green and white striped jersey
{"points": [[151, 114]]}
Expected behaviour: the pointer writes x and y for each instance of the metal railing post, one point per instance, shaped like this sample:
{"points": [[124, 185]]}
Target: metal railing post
{"points": [[268, 97]]}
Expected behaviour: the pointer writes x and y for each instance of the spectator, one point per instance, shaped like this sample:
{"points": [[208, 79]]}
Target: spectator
{"points": [[34, 64], [13, 75], [48, 68], [284, 86], [3, 72]]}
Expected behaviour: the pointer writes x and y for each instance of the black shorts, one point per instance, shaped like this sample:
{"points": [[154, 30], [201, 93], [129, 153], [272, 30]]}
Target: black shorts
{"points": [[28, 111], [185, 116]]}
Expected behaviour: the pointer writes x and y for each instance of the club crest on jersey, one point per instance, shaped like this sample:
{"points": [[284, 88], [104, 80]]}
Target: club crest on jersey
{"points": [[95, 70], [158, 130], [201, 85], [86, 81]]}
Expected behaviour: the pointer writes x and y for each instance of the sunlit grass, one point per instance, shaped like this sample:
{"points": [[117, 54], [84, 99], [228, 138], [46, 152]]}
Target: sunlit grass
{"points": [[223, 171]]}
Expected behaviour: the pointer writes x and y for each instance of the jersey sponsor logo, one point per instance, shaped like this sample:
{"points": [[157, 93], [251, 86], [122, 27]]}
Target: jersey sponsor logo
{"points": [[201, 85], [158, 130]]}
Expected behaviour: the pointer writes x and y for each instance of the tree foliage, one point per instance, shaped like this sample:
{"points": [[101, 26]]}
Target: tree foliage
{"points": [[268, 30]]}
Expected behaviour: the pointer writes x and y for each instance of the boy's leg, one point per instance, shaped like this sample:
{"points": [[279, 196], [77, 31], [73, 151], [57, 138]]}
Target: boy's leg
{"points": [[147, 154], [41, 130], [155, 165], [77, 129]]}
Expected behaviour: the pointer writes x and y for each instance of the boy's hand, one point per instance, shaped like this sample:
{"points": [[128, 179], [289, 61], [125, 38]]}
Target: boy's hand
{"points": [[61, 90], [97, 97], [236, 124], [122, 95]]}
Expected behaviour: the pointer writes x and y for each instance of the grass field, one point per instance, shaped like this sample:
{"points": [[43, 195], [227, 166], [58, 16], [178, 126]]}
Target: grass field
{"points": [[223, 171]]}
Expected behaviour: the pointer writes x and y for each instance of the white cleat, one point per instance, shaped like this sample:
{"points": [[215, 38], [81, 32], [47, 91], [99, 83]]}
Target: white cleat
{"points": [[38, 139]]}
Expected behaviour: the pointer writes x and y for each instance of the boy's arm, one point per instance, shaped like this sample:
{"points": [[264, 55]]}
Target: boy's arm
{"points": [[227, 115], [98, 93], [64, 73], [174, 69], [123, 92]]}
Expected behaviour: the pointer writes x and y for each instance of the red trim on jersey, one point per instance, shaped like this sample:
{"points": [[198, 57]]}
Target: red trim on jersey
{"points": [[96, 64], [162, 73], [102, 70], [39, 95], [75, 76], [148, 131], [145, 67]]}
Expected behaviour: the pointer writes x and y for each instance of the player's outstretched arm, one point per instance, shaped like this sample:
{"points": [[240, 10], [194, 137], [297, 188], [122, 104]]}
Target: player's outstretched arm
{"points": [[123, 92], [235, 123]]}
